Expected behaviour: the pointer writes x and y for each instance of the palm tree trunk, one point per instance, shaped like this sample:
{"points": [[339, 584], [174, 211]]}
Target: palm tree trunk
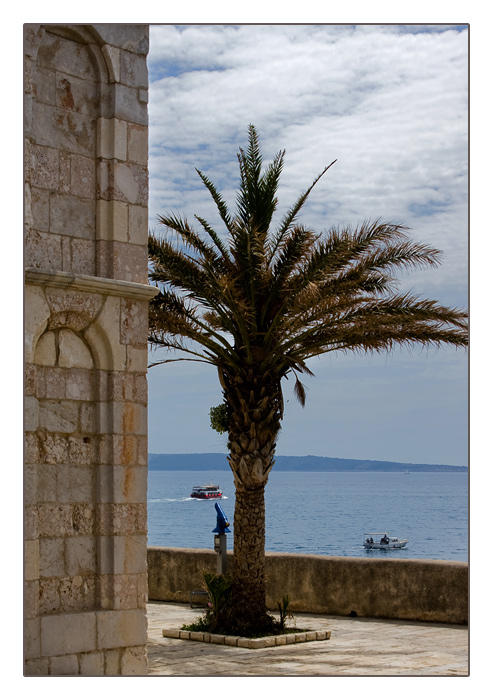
{"points": [[249, 606], [254, 403]]}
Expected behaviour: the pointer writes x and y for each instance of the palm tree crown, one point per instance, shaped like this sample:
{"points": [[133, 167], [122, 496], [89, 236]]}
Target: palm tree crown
{"points": [[275, 299], [259, 303]]}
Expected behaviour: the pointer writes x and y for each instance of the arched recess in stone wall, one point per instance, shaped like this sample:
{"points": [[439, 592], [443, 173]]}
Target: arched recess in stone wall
{"points": [[74, 148], [71, 424]]}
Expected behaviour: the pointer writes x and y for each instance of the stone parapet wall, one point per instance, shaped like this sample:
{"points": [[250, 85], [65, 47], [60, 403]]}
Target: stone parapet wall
{"points": [[86, 299], [405, 589]]}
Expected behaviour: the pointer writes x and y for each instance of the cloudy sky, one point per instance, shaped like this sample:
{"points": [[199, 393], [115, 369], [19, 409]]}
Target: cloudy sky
{"points": [[390, 104]]}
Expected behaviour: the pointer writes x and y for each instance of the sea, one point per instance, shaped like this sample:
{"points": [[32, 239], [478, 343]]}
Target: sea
{"points": [[322, 512]]}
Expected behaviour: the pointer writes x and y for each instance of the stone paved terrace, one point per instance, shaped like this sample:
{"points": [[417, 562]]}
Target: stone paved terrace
{"points": [[358, 647]]}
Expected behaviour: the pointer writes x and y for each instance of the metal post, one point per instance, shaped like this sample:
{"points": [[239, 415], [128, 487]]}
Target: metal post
{"points": [[221, 548]]}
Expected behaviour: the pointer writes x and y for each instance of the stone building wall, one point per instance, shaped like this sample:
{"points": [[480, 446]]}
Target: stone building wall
{"points": [[86, 296]]}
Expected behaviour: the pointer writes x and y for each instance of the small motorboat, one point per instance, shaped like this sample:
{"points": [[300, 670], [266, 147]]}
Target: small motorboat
{"points": [[206, 492], [382, 540]]}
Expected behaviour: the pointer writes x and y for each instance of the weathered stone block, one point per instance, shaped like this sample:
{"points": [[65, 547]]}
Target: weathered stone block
{"points": [[136, 359], [81, 450], [32, 639], [129, 418], [92, 664], [138, 224], [85, 304], [120, 628], [65, 176], [123, 554], [121, 484], [73, 352], [58, 51], [112, 139], [69, 131], [37, 313], [31, 599], [78, 593], [54, 449], [74, 484], [122, 519], [138, 144], [127, 105], [103, 336], [134, 322], [83, 519], [58, 416], [31, 529], [68, 634], [83, 177], [54, 520], [47, 483], [82, 256], [112, 662], [36, 667], [45, 353], [31, 413], [87, 417], [66, 665], [130, 262], [80, 555], [40, 209], [134, 661], [44, 167], [76, 95], [112, 220], [49, 596], [31, 560], [72, 216], [30, 379], [30, 485], [133, 70], [80, 384], [43, 250], [131, 37], [51, 557], [112, 56], [44, 80]]}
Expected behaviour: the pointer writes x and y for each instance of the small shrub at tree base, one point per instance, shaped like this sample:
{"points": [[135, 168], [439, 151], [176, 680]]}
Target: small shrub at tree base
{"points": [[283, 611]]}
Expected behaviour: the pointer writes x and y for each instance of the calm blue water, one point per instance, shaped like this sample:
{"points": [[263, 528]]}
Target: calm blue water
{"points": [[323, 512]]}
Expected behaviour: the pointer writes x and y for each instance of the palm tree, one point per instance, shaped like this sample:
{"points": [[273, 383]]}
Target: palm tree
{"points": [[258, 304]]}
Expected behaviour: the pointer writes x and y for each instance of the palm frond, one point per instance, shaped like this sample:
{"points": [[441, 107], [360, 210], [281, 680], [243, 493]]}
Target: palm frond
{"points": [[291, 216], [260, 304]]}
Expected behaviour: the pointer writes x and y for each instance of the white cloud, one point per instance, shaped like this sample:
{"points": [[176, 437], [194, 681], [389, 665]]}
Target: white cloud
{"points": [[389, 102]]}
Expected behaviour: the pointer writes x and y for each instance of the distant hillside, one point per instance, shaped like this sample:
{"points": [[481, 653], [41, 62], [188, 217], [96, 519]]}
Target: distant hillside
{"points": [[208, 461]]}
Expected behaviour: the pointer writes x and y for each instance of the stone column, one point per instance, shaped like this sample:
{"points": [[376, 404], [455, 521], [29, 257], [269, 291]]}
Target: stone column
{"points": [[86, 349]]}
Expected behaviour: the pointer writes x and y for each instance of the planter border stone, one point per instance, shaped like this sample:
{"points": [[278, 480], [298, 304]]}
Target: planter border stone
{"points": [[248, 642]]}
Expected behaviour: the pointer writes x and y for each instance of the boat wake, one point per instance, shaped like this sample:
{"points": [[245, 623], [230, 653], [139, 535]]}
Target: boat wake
{"points": [[169, 500], [185, 498]]}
